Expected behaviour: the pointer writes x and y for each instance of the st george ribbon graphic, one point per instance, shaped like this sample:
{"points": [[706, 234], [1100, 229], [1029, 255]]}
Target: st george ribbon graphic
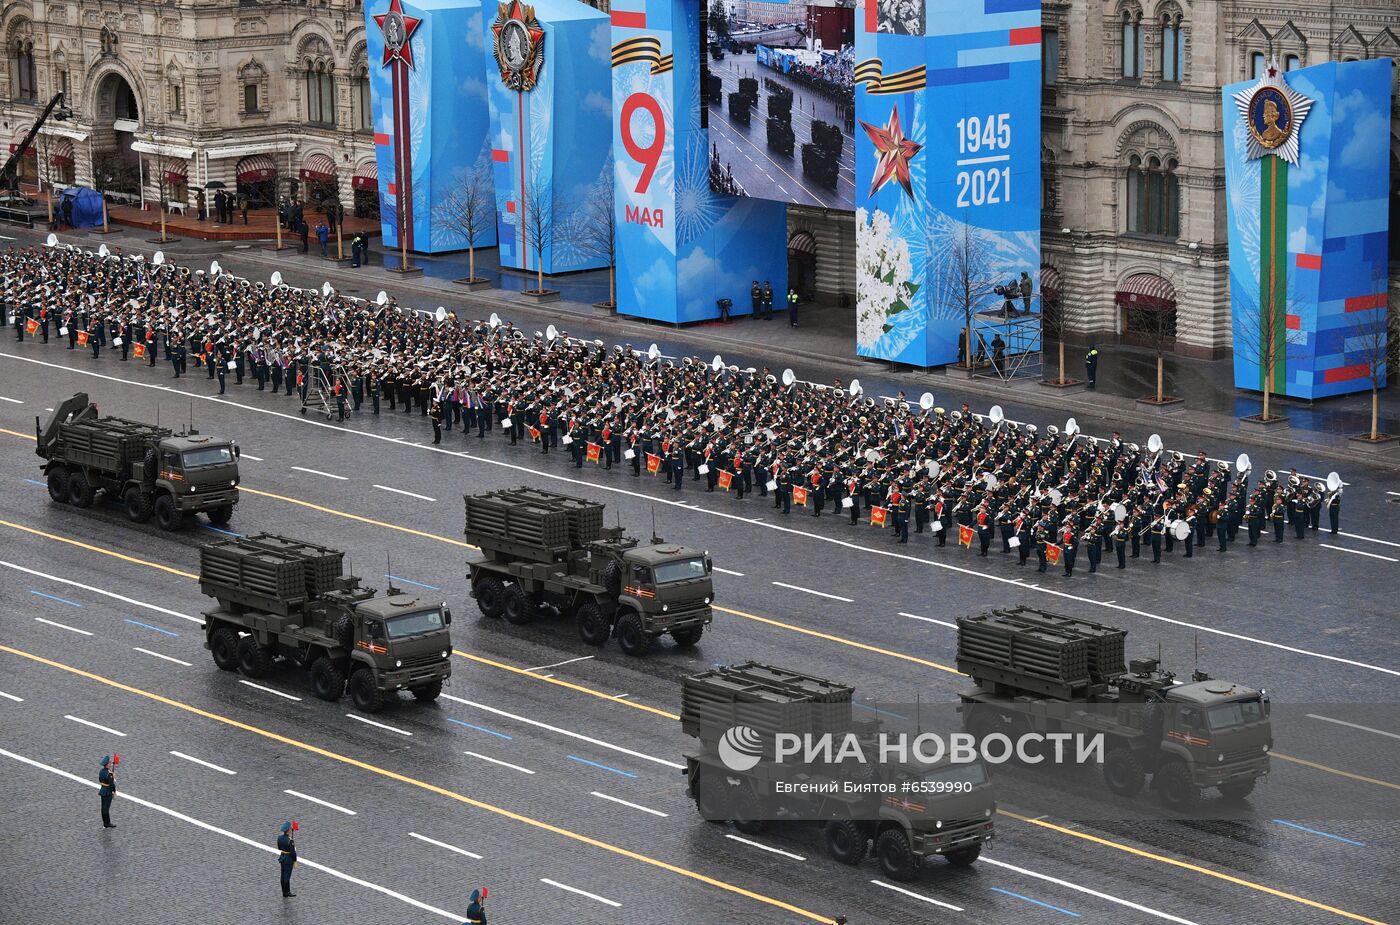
{"points": [[398, 30]]}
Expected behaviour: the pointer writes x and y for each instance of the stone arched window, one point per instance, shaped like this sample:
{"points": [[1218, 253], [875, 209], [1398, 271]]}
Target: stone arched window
{"points": [[1154, 196], [318, 75], [361, 101], [252, 82], [24, 80], [174, 91], [1171, 57], [1131, 44]]}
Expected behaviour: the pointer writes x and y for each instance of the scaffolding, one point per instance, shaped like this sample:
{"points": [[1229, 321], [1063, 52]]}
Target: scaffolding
{"points": [[322, 376], [1019, 356]]}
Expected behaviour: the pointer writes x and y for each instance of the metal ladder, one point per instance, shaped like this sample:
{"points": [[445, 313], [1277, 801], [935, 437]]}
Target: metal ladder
{"points": [[320, 391]]}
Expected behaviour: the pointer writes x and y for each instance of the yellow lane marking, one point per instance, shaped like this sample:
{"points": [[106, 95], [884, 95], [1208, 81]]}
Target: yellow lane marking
{"points": [[431, 788], [1196, 868], [98, 549], [357, 517], [840, 639], [569, 684], [1338, 772], [16, 433]]}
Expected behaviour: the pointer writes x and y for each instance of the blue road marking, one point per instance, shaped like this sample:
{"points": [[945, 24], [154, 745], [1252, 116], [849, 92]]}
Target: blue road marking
{"points": [[35, 482], [493, 732], [150, 627], [61, 600], [411, 582], [997, 889], [603, 766], [1303, 828], [220, 530], [861, 706]]}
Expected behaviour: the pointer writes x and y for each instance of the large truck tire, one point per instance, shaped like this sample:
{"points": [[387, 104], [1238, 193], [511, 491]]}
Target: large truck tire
{"points": [[80, 490], [1175, 786], [58, 485], [137, 504], [707, 798], [1239, 789], [254, 660], [1122, 772], [220, 515], [685, 638], [168, 517], [366, 694], [612, 579], [516, 606], [963, 857], [327, 679], [896, 858], [630, 635], [223, 645], [593, 627], [427, 693], [846, 841], [488, 597]]}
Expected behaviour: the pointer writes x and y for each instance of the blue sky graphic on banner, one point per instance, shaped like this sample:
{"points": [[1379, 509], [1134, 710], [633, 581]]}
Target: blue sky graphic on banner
{"points": [[680, 245], [1317, 230], [947, 150], [429, 102], [552, 144]]}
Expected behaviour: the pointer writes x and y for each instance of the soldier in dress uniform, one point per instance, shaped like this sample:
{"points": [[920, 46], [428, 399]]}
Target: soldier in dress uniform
{"points": [[1120, 541], [107, 788], [287, 855]]}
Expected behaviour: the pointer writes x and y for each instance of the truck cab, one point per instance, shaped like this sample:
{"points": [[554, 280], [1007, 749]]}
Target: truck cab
{"points": [[402, 638], [196, 471], [1222, 731], [669, 586]]}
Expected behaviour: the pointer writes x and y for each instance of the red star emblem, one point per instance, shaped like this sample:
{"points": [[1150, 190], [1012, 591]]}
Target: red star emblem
{"points": [[396, 45], [1273, 72], [894, 150]]}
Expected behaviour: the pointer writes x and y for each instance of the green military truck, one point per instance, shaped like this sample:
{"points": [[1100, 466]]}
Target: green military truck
{"points": [[908, 811], [1042, 672], [151, 470], [543, 550], [282, 598]]}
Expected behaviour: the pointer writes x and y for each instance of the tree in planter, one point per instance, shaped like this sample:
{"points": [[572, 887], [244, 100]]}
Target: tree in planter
{"points": [[973, 279], [111, 173], [719, 19], [1371, 336], [539, 225], [1261, 331], [597, 232], [160, 162], [1157, 324], [1057, 317], [469, 209]]}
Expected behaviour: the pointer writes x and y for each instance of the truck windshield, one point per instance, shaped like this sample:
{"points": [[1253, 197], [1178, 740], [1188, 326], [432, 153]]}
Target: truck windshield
{"points": [[207, 456], [1239, 713], [680, 570], [964, 776], [411, 624]]}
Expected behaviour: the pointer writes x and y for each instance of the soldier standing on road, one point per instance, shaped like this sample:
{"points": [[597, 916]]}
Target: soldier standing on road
{"points": [[1091, 365], [767, 299], [435, 416], [1334, 509], [756, 296], [1277, 515], [476, 909], [287, 855], [107, 780]]}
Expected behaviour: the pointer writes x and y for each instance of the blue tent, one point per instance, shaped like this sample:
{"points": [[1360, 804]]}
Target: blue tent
{"points": [[86, 205]]}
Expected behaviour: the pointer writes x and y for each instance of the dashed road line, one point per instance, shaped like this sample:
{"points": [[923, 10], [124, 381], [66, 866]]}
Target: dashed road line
{"points": [[504, 764], [573, 889], [1369, 539], [149, 626], [11, 697], [208, 764], [62, 626], [13, 401], [370, 722], [567, 661], [242, 456], [786, 854], [1357, 552], [88, 722], [645, 809], [320, 802], [1341, 722], [1303, 828], [410, 581], [400, 491], [168, 658], [442, 844], [914, 616], [499, 735], [997, 889], [1156, 913], [601, 766], [116, 597], [268, 690], [725, 571], [329, 475], [61, 600], [919, 896], [834, 597]]}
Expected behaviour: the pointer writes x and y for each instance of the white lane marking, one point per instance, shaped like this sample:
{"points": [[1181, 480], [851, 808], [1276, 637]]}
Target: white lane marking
{"points": [[207, 764], [650, 499], [11, 697], [645, 809], [329, 475], [504, 764], [1342, 722], [319, 802], [914, 616], [565, 732], [370, 722], [241, 839], [400, 491], [567, 661], [62, 626], [13, 401], [116, 597], [244, 456], [834, 597], [443, 844], [786, 854], [574, 889], [910, 893], [87, 722], [1395, 493], [1088, 892], [1357, 552], [267, 690], [168, 658], [725, 571], [1369, 539]]}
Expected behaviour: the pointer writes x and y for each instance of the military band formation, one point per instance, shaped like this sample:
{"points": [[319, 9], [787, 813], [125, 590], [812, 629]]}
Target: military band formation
{"points": [[1057, 495]]}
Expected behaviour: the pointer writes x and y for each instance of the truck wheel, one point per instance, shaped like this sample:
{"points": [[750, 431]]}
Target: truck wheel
{"points": [[220, 515], [846, 841], [516, 606], [1175, 786], [137, 504], [707, 798], [593, 627], [327, 679], [1238, 790], [427, 693], [58, 486], [366, 694], [612, 579], [630, 635], [167, 515], [1122, 772], [689, 636], [80, 492], [223, 645], [253, 658], [963, 857], [896, 857], [345, 633], [488, 597]]}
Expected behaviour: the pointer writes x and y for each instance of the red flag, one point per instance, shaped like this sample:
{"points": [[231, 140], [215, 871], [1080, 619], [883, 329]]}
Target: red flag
{"points": [[1052, 553], [82, 338], [534, 433], [799, 495], [139, 350], [31, 326], [594, 452], [965, 536], [879, 516], [653, 464], [725, 477]]}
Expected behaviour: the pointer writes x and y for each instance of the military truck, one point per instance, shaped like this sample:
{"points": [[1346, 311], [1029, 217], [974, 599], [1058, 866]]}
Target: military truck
{"points": [[908, 811], [1042, 672], [541, 550], [150, 470], [281, 598]]}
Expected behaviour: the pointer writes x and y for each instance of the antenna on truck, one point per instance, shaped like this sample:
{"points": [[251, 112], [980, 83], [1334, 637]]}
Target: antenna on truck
{"points": [[389, 571], [654, 538]]}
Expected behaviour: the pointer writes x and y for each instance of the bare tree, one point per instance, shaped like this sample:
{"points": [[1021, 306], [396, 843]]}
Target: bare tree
{"points": [[468, 209], [974, 278], [161, 162], [111, 173], [1371, 335], [598, 227], [1057, 318], [1156, 323], [1261, 331], [539, 226]]}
